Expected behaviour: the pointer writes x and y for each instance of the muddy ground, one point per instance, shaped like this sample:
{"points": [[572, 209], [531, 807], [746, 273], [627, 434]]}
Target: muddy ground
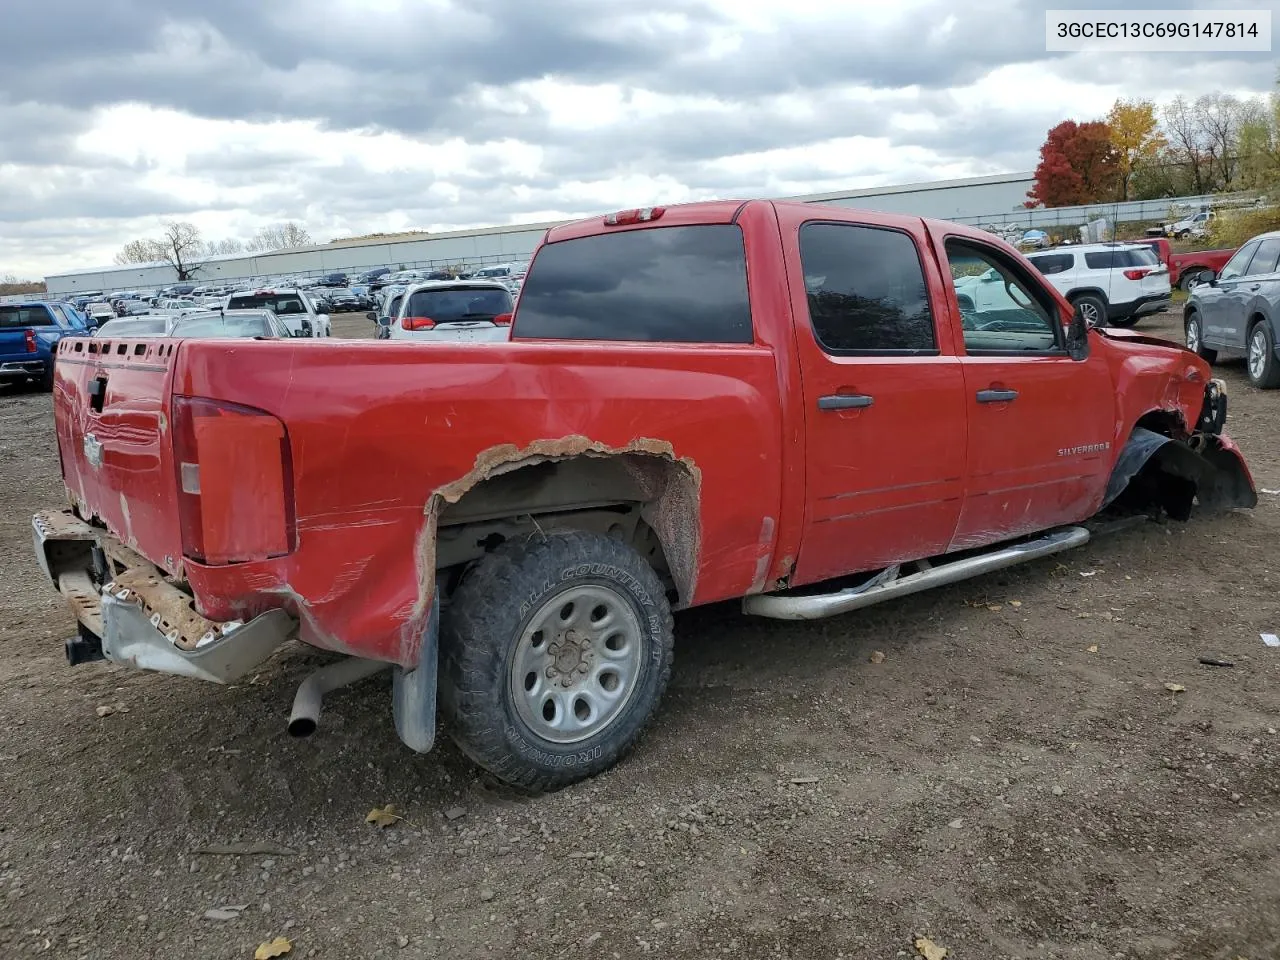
{"points": [[1013, 780]]}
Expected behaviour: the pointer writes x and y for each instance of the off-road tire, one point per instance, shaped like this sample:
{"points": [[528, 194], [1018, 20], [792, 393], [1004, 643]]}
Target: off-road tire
{"points": [[481, 626], [1207, 354]]}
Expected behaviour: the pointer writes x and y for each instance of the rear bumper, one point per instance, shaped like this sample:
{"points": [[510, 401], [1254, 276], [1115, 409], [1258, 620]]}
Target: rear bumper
{"points": [[139, 618], [21, 369], [1142, 306]]}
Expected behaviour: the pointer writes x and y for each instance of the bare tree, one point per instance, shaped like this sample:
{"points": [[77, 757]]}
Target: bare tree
{"points": [[1186, 140], [1218, 116], [280, 236], [138, 251], [225, 247], [179, 246]]}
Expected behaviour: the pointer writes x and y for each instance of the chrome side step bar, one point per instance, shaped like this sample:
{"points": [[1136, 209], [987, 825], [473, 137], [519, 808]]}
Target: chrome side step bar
{"points": [[887, 585]]}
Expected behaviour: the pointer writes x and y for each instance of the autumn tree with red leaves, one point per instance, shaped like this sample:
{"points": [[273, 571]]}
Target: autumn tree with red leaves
{"points": [[1078, 165]]}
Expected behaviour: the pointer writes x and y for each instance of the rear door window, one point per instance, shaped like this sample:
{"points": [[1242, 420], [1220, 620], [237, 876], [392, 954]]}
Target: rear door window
{"points": [[1051, 263], [684, 284], [866, 290], [1264, 261]]}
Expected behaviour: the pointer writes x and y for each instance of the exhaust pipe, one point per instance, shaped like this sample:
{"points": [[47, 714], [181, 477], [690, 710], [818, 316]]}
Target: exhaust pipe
{"points": [[307, 701]]}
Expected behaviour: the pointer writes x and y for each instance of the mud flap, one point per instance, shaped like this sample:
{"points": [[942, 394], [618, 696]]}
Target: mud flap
{"points": [[413, 692]]}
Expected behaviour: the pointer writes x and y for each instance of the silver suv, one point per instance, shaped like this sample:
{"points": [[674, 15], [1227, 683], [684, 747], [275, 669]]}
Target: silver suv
{"points": [[1239, 311]]}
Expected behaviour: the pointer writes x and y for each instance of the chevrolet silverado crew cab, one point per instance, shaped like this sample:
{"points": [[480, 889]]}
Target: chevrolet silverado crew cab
{"points": [[780, 402]]}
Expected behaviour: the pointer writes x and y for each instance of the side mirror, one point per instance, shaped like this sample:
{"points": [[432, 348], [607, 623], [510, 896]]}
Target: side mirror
{"points": [[381, 321], [1078, 336], [371, 316]]}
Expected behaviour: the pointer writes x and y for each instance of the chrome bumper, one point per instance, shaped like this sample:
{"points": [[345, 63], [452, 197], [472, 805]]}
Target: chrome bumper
{"points": [[140, 618]]}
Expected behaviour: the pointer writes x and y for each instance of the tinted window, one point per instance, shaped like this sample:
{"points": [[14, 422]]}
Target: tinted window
{"points": [[1109, 259], [445, 306], [680, 284], [866, 289], [281, 303], [24, 317], [1264, 261], [393, 308], [138, 327], [1235, 266], [1053, 263], [1000, 310]]}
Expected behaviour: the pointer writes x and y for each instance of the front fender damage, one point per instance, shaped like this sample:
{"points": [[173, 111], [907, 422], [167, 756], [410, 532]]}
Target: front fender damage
{"points": [[1155, 470]]}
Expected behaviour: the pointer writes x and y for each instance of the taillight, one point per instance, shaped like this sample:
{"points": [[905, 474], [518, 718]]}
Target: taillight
{"points": [[1137, 274], [235, 481], [641, 215], [502, 320], [31, 341], [417, 323]]}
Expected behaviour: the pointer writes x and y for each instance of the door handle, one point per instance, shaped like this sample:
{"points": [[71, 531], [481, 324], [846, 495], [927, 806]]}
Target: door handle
{"points": [[997, 396], [1256, 286], [845, 401]]}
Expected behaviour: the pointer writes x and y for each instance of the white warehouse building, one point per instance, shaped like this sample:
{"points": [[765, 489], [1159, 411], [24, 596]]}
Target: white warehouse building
{"points": [[994, 199]]}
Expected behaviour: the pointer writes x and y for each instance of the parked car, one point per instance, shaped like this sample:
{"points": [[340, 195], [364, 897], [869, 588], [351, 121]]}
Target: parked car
{"points": [[135, 308], [151, 325], [343, 300], [1195, 225], [777, 402], [99, 311], [293, 307], [398, 278], [1111, 283], [370, 275], [462, 310], [1187, 269], [260, 324], [1239, 311], [1036, 239], [29, 336]]}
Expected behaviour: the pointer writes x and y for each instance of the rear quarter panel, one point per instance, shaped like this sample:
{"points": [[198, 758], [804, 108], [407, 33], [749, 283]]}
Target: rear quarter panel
{"points": [[375, 429]]}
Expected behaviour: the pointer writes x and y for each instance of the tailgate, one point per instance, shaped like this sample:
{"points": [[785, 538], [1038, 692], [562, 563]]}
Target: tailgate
{"points": [[111, 408], [14, 344], [1156, 282]]}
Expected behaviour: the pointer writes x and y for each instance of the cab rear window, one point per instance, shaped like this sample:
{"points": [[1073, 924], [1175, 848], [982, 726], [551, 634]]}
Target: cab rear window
{"points": [[684, 284], [25, 317]]}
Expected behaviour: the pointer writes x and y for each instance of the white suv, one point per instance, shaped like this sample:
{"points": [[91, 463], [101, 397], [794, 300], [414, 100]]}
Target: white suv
{"points": [[459, 310], [1109, 283]]}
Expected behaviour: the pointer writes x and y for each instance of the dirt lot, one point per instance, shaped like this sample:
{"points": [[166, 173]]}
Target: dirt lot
{"points": [[1013, 780]]}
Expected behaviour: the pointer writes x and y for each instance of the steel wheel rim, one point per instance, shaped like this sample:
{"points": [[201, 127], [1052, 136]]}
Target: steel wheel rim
{"points": [[1193, 336], [577, 663], [1257, 354], [1090, 314]]}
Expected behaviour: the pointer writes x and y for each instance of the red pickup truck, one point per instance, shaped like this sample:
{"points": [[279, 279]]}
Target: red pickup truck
{"points": [[792, 404], [1188, 269]]}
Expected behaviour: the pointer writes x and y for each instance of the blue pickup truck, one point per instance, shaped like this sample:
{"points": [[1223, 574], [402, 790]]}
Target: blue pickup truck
{"points": [[29, 334]]}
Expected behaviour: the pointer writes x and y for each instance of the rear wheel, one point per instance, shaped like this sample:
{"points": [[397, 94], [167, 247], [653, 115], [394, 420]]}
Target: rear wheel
{"points": [[1264, 371], [1093, 308], [1195, 339], [555, 652]]}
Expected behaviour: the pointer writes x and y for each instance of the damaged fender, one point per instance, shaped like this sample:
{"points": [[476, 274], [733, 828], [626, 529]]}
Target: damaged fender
{"points": [[1205, 467]]}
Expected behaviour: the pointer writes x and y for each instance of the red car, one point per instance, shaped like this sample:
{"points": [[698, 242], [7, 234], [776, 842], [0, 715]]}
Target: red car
{"points": [[781, 402]]}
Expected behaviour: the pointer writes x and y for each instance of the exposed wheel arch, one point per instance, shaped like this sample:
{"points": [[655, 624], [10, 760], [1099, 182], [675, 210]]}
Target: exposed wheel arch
{"points": [[641, 495]]}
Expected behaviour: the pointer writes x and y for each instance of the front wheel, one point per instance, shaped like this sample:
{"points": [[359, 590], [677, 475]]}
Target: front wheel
{"points": [[555, 651], [1264, 371], [1195, 340]]}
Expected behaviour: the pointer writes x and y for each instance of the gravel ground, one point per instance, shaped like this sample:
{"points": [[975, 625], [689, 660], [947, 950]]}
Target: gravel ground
{"points": [[1012, 779]]}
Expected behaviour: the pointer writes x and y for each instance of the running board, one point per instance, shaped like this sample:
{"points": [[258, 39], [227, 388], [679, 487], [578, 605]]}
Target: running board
{"points": [[887, 585]]}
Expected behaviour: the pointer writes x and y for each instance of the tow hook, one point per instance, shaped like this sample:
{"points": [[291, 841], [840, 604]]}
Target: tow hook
{"points": [[307, 701]]}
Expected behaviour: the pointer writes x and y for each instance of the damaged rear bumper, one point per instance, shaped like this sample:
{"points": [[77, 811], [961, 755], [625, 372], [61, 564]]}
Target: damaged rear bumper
{"points": [[128, 610]]}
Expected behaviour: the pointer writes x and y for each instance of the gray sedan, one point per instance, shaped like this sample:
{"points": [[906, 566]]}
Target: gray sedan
{"points": [[1239, 312]]}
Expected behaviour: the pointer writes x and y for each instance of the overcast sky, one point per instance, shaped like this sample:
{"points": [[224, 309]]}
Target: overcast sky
{"points": [[358, 116]]}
